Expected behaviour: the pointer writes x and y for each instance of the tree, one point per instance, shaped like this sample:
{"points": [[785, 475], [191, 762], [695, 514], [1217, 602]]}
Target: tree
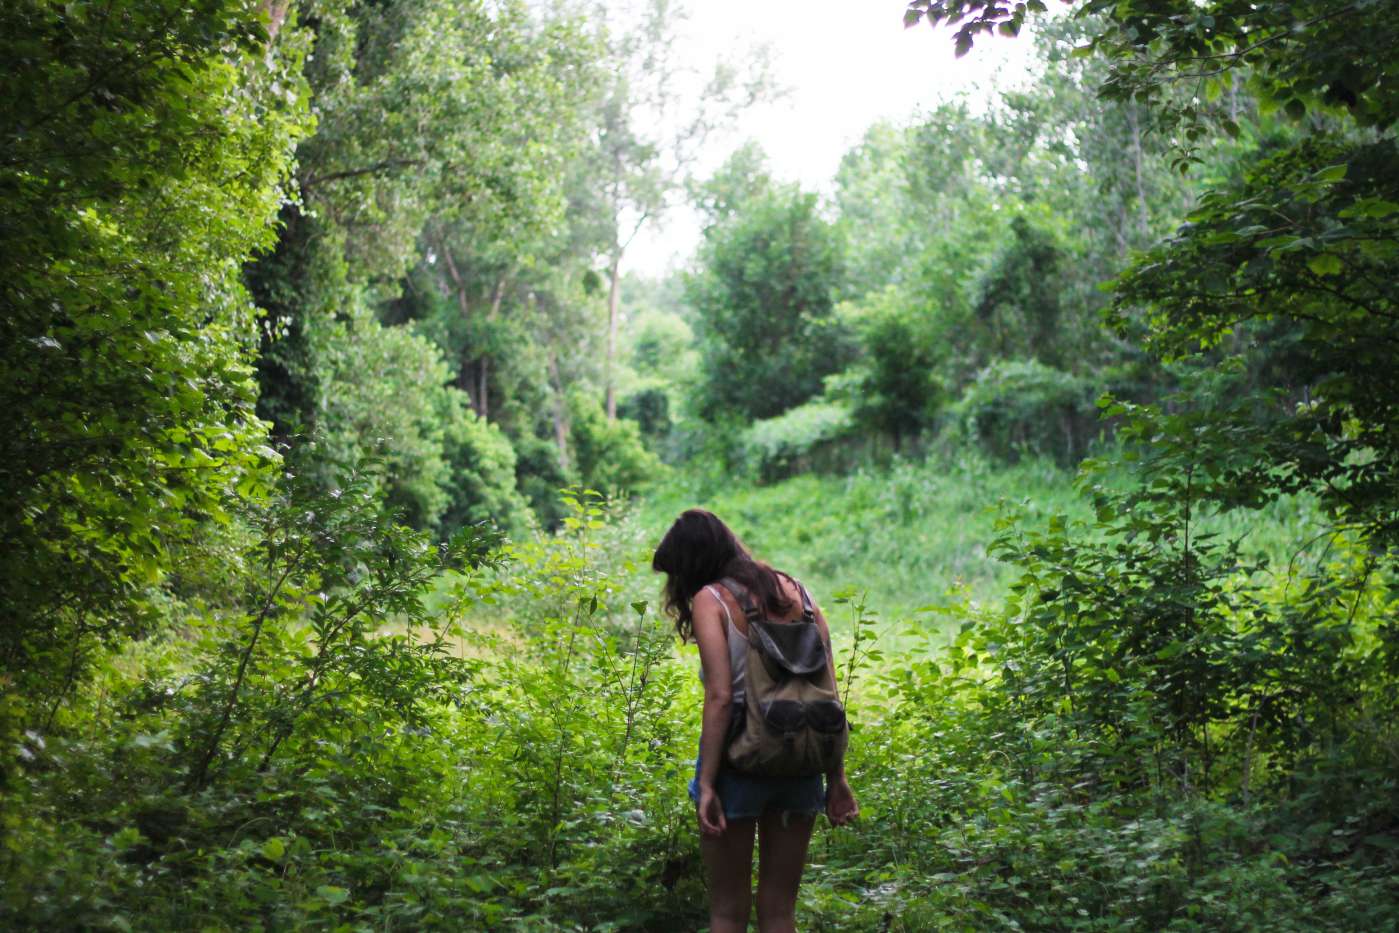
{"points": [[1305, 237], [1274, 304], [1296, 56], [443, 127], [649, 136], [145, 156], [764, 295], [898, 384]]}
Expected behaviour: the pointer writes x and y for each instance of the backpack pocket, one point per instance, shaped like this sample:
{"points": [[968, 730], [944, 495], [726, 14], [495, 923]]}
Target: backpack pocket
{"points": [[826, 716], [790, 738], [784, 716]]}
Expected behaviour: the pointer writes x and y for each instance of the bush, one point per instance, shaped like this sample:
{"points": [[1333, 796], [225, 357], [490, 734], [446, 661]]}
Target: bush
{"points": [[650, 409], [1017, 406], [609, 456], [897, 387], [796, 440], [386, 398], [483, 476], [540, 476]]}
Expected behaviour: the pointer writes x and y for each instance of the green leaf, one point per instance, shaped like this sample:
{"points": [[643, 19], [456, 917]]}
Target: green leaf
{"points": [[1371, 207], [1171, 650], [332, 895], [1325, 264]]}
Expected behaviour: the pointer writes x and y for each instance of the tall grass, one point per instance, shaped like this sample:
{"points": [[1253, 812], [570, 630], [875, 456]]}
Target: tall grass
{"points": [[908, 534], [914, 534]]}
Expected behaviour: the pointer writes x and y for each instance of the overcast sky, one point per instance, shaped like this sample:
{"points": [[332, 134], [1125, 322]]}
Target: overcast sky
{"points": [[846, 64]]}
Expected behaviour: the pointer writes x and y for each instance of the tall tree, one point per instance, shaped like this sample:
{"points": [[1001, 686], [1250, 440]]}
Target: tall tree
{"points": [[447, 115], [144, 158], [651, 130], [763, 295]]}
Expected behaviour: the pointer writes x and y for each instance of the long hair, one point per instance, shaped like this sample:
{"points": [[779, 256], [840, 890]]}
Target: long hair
{"points": [[699, 549]]}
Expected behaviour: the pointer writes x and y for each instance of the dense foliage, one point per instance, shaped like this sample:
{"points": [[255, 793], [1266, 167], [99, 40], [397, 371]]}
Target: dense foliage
{"points": [[316, 334], [146, 149]]}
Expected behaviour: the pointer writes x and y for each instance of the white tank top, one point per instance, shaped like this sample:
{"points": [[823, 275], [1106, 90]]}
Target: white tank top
{"points": [[738, 652]]}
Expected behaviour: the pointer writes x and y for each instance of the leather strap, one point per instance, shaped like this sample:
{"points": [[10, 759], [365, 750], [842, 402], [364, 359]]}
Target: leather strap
{"points": [[740, 593]]}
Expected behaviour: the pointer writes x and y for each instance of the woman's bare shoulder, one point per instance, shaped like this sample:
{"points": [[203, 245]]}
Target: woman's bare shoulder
{"points": [[715, 597], [705, 599]]}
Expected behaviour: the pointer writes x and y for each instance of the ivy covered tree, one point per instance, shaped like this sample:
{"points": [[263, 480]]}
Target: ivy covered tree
{"points": [[145, 156], [378, 189]]}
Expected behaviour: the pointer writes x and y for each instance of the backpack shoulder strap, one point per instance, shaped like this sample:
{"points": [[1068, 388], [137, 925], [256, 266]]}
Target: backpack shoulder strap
{"points": [[808, 612], [745, 599]]}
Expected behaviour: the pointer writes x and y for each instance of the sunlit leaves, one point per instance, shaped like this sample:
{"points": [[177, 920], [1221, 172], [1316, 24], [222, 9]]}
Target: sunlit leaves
{"points": [[148, 155]]}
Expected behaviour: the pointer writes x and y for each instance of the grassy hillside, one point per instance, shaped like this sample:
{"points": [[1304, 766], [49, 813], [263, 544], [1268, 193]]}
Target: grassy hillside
{"points": [[916, 533], [906, 535]]}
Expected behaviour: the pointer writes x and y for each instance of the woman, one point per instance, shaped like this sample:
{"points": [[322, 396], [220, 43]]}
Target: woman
{"points": [[696, 553]]}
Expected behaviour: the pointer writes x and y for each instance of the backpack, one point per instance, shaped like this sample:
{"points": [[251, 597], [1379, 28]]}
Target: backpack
{"points": [[791, 723]]}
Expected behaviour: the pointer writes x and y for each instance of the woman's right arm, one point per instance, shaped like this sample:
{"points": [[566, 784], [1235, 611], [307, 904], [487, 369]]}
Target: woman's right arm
{"points": [[718, 702]]}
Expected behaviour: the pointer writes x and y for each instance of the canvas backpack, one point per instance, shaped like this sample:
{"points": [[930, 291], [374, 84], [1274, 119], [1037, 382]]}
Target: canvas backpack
{"points": [[792, 723]]}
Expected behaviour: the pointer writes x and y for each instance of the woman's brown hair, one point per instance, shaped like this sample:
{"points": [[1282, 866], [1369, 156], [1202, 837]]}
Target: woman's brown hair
{"points": [[699, 549]]}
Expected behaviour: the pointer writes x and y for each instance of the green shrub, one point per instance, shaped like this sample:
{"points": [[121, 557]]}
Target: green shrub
{"points": [[1014, 407], [609, 456], [387, 398], [795, 440], [898, 385], [540, 476], [483, 476], [650, 409]]}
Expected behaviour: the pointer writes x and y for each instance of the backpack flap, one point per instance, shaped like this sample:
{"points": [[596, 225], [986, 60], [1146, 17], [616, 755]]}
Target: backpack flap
{"points": [[794, 647]]}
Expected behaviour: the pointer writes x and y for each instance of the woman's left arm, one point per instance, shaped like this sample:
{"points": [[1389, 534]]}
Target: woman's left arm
{"points": [[841, 806], [718, 702]]}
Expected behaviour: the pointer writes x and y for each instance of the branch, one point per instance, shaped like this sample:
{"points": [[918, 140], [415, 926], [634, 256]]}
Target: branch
{"points": [[375, 169]]}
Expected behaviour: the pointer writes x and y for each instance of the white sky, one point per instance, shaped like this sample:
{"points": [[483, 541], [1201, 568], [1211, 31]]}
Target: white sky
{"points": [[846, 64]]}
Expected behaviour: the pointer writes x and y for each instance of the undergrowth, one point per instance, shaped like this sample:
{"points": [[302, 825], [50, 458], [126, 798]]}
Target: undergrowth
{"points": [[503, 742]]}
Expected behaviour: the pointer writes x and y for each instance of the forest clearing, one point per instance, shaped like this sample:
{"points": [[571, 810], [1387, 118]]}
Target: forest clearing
{"points": [[341, 417]]}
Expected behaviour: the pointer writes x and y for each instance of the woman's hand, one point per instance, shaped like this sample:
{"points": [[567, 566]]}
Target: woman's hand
{"points": [[841, 807], [711, 812]]}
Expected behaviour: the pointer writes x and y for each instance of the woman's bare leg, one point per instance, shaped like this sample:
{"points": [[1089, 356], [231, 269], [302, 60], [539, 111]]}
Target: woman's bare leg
{"points": [[729, 859], [781, 858]]}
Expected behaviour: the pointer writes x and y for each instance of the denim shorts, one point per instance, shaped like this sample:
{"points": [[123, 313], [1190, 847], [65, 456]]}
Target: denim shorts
{"points": [[747, 796]]}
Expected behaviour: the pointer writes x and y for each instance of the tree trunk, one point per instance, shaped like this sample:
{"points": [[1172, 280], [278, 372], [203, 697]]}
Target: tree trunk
{"points": [[561, 425], [276, 12], [613, 296], [483, 366], [1144, 217], [483, 404], [469, 379]]}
